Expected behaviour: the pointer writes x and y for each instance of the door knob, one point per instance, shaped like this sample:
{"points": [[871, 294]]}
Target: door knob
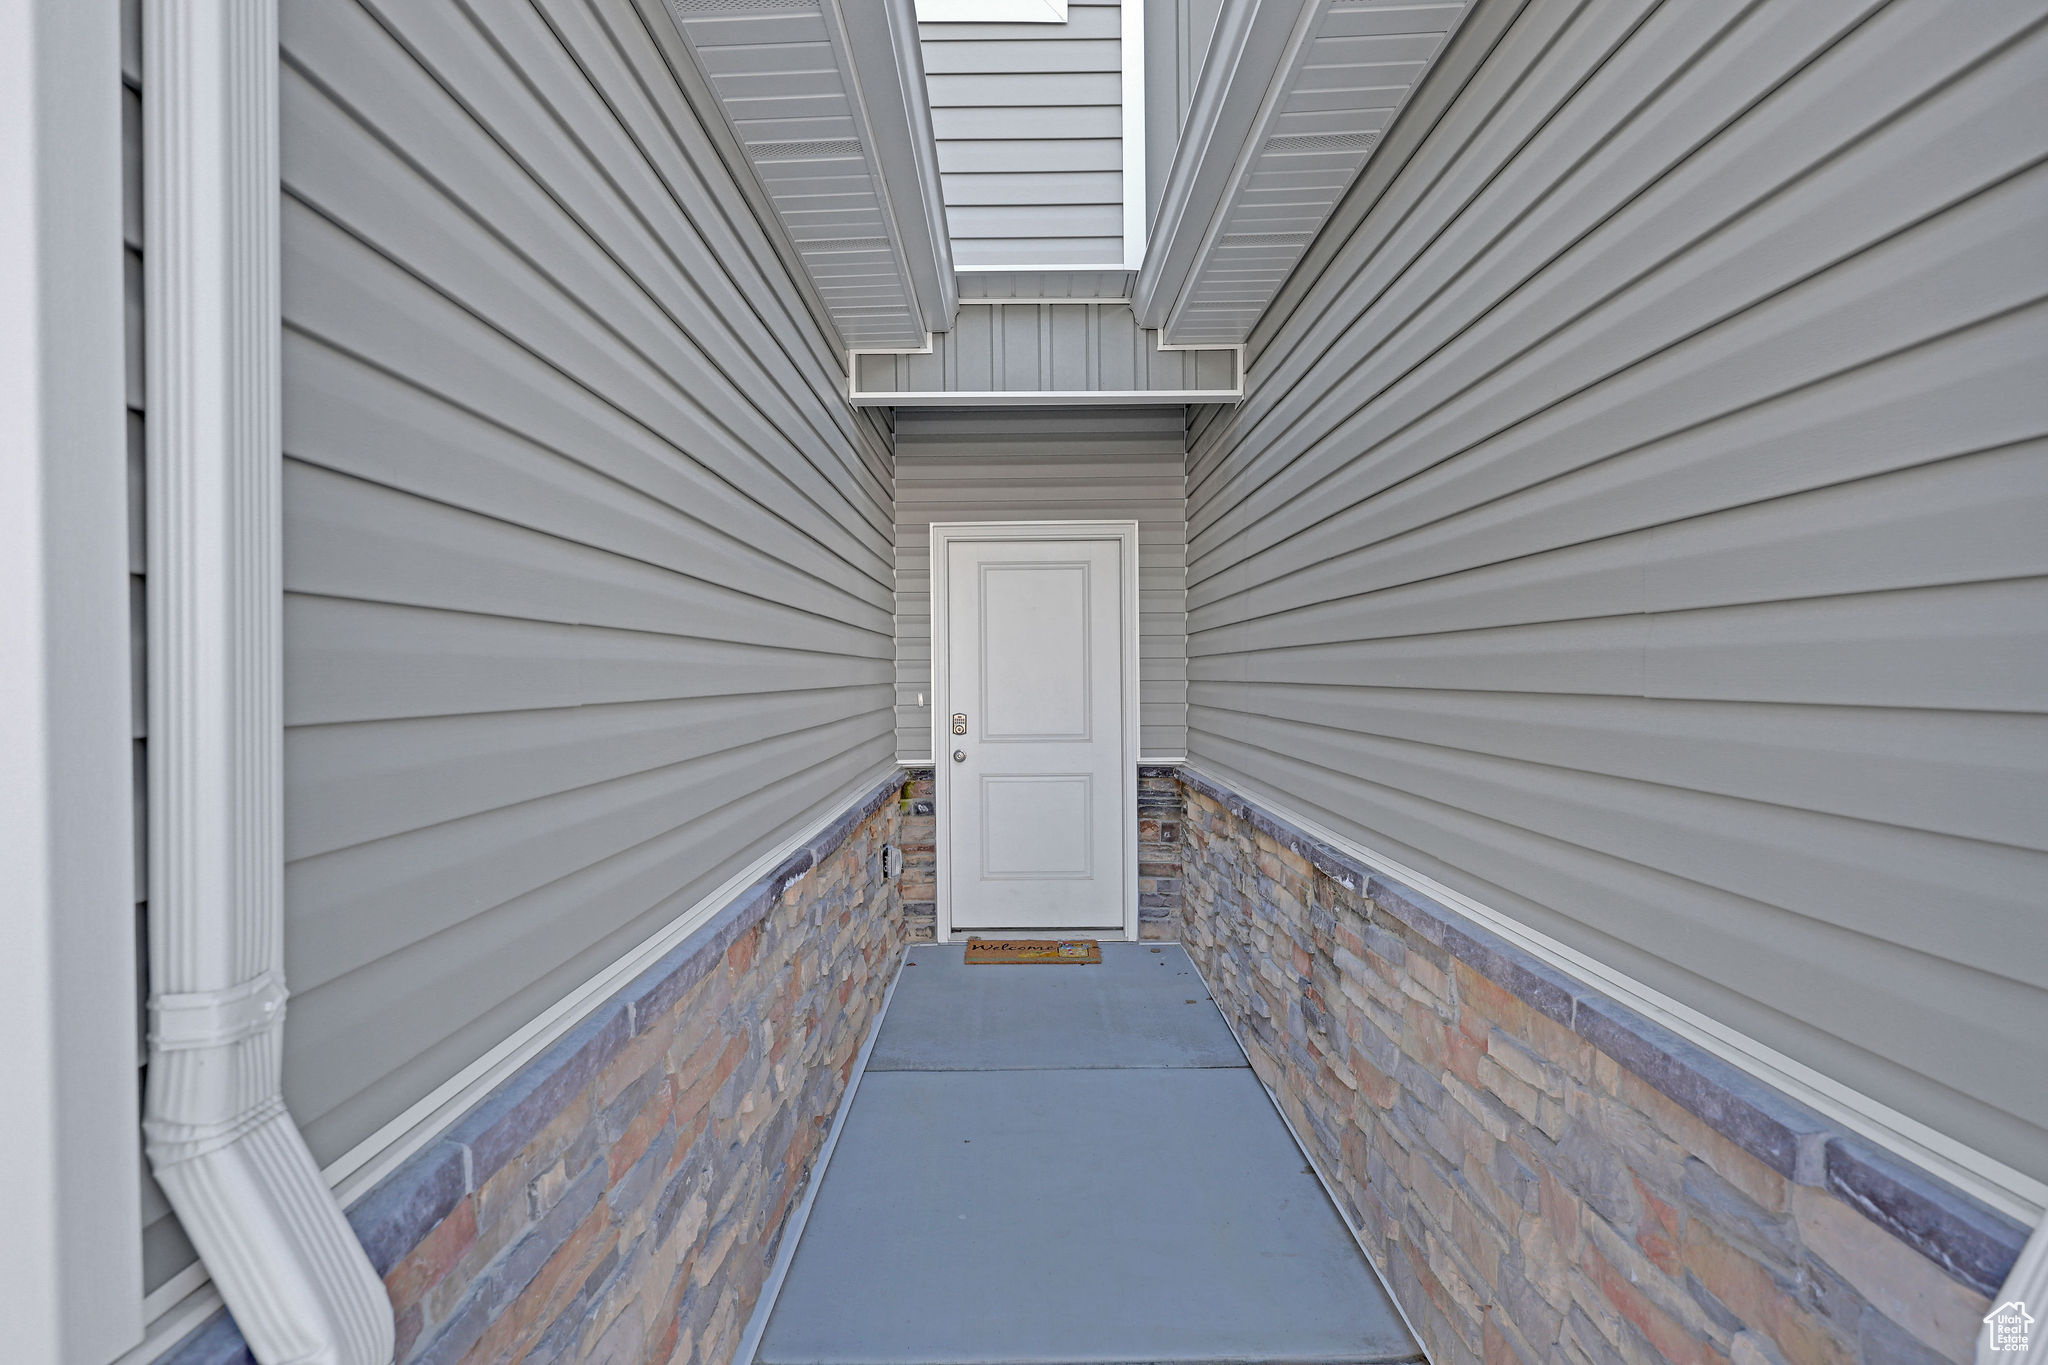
{"points": [[959, 755]]}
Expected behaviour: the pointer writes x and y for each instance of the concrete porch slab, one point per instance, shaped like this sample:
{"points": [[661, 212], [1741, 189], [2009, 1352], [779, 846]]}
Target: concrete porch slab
{"points": [[1129, 1215], [1143, 1006]]}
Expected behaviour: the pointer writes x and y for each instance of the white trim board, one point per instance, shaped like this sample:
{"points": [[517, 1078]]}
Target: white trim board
{"points": [[71, 1256], [2011, 1192], [1038, 268], [188, 1298], [2028, 1283], [1131, 56], [943, 534], [354, 1172]]}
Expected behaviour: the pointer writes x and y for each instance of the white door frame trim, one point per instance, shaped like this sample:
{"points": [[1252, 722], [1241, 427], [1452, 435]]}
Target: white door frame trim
{"points": [[943, 534]]}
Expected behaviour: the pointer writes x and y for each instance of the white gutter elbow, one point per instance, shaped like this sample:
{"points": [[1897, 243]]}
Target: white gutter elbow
{"points": [[246, 1188]]}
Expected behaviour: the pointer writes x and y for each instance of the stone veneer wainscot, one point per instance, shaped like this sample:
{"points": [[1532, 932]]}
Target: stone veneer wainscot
{"points": [[1542, 1174], [621, 1197]]}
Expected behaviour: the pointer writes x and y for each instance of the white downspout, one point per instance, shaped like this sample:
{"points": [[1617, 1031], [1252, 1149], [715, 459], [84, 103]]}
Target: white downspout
{"points": [[226, 1152]]}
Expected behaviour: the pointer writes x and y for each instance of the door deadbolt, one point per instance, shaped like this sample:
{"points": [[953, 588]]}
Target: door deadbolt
{"points": [[959, 722], [959, 755]]}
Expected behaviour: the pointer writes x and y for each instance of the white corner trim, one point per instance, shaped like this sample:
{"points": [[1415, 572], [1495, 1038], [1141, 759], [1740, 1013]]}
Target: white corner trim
{"points": [[2027, 1286], [233, 1164], [1131, 56], [2011, 1192], [71, 1247]]}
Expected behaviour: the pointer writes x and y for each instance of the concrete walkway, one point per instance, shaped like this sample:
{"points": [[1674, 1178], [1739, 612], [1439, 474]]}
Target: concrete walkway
{"points": [[1070, 1164]]}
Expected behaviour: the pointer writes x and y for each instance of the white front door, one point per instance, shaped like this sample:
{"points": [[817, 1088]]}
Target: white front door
{"points": [[1038, 780]]}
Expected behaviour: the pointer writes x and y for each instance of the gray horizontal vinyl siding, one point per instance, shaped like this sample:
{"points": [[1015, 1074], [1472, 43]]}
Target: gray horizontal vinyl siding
{"points": [[1104, 464], [1637, 522], [587, 562], [1029, 120]]}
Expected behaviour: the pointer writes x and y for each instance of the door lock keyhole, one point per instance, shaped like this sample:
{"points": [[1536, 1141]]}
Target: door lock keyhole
{"points": [[959, 722], [959, 755]]}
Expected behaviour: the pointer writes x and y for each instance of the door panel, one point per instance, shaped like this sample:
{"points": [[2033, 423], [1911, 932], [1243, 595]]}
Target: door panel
{"points": [[1036, 802], [1037, 826], [1034, 651]]}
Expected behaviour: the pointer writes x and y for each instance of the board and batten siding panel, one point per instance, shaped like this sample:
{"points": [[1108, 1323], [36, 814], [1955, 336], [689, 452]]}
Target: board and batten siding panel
{"points": [[587, 562], [1029, 121], [1637, 523], [1046, 464]]}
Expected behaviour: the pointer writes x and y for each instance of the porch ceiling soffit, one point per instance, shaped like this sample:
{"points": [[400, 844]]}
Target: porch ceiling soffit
{"points": [[1291, 104], [826, 99]]}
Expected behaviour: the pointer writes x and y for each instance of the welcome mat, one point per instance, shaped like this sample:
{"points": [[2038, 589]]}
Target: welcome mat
{"points": [[1013, 950]]}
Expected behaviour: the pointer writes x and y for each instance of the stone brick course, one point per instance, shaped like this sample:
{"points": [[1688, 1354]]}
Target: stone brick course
{"points": [[920, 834], [1159, 816], [620, 1199], [1541, 1173]]}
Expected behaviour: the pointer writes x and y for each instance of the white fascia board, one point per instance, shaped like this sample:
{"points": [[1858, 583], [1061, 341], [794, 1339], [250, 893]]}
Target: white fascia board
{"points": [[1251, 46], [886, 73]]}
